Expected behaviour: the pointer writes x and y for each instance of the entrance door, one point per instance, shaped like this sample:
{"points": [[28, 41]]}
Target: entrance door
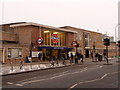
{"points": [[87, 53], [1, 56]]}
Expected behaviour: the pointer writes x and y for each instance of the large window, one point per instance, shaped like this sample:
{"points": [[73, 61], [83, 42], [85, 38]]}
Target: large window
{"points": [[14, 53], [87, 36], [54, 38]]}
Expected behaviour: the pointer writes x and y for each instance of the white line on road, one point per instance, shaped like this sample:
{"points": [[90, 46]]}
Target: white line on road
{"points": [[73, 86], [19, 85], [10, 83], [63, 73], [103, 76]]}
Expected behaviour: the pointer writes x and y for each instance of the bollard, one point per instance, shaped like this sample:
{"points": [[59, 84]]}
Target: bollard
{"points": [[52, 62], [21, 65], [29, 58], [38, 64], [30, 64], [11, 70]]}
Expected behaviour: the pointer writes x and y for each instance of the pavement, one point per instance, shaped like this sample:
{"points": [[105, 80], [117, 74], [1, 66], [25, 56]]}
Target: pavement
{"points": [[14, 68]]}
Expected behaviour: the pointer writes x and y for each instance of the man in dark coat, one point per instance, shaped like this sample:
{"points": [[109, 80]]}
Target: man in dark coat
{"points": [[39, 56]]}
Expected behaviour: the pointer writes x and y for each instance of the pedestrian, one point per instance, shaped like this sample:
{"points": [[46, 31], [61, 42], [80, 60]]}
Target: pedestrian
{"points": [[39, 56], [80, 57], [104, 55], [92, 56], [96, 57], [70, 59]]}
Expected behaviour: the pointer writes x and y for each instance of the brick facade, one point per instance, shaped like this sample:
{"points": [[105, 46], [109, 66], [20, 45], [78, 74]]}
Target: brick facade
{"points": [[24, 35], [95, 38]]}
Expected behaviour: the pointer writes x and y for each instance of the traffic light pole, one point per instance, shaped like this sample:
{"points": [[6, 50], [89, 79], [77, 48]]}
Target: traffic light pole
{"points": [[107, 53]]}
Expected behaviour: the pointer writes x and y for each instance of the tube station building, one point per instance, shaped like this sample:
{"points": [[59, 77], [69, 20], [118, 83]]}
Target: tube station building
{"points": [[20, 40], [24, 39]]}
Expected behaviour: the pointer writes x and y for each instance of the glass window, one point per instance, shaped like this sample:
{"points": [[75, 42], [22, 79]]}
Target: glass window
{"points": [[14, 52], [87, 39], [54, 38]]}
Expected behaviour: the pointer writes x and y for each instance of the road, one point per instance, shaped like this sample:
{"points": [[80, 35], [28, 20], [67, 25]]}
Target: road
{"points": [[88, 75]]}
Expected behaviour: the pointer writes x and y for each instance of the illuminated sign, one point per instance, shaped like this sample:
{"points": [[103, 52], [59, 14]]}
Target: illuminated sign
{"points": [[40, 40], [55, 38]]}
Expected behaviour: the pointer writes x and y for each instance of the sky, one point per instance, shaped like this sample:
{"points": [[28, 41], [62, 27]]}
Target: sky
{"points": [[94, 15]]}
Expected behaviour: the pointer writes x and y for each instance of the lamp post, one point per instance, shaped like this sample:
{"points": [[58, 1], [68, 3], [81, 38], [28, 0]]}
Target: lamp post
{"points": [[94, 50]]}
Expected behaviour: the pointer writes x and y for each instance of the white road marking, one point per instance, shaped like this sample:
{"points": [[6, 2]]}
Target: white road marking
{"points": [[36, 77], [10, 83], [19, 85], [63, 73], [101, 66], [103, 76], [73, 86]]}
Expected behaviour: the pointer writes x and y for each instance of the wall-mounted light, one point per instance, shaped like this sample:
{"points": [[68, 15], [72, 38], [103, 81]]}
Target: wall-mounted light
{"points": [[55, 32], [46, 31]]}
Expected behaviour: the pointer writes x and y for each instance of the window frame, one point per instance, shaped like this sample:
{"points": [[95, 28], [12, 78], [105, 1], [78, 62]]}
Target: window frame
{"points": [[18, 52]]}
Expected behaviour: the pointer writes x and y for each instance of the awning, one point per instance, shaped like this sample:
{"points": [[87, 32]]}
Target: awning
{"points": [[48, 47]]}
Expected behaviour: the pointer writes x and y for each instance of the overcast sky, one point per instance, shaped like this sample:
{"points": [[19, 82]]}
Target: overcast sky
{"points": [[92, 15]]}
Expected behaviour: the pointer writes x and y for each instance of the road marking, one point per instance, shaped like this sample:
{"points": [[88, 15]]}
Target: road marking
{"points": [[101, 66], [73, 86], [103, 76], [19, 85], [27, 79], [10, 83], [36, 77], [63, 73]]}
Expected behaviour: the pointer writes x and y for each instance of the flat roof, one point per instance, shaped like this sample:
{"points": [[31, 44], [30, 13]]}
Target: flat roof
{"points": [[71, 27], [40, 25]]}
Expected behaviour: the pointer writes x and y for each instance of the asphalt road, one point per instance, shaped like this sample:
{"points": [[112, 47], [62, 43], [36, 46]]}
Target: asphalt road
{"points": [[88, 75]]}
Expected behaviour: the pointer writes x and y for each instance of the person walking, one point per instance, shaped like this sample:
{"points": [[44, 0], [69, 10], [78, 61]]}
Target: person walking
{"points": [[96, 57], [104, 56], [70, 57], [39, 56], [92, 56], [80, 57]]}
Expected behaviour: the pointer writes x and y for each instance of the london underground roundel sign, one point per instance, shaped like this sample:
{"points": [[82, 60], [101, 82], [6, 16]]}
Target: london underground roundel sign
{"points": [[39, 40], [55, 38], [73, 43]]}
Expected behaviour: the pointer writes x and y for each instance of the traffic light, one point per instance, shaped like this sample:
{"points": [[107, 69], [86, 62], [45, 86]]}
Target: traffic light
{"points": [[75, 44], [119, 43], [106, 42]]}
